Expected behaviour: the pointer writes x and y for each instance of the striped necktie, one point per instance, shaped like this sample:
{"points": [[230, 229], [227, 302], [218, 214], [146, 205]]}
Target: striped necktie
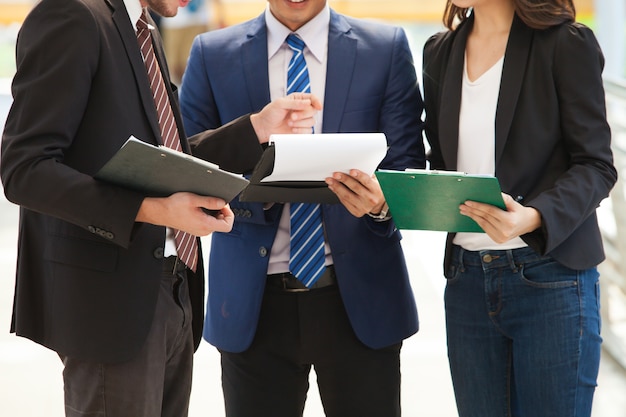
{"points": [[306, 260], [186, 244]]}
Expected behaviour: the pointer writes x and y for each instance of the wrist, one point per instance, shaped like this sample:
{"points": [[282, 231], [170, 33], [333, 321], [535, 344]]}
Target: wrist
{"points": [[149, 211], [256, 125], [383, 213]]}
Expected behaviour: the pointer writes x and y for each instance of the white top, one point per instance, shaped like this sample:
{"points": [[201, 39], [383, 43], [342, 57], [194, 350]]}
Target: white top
{"points": [[315, 35], [477, 142]]}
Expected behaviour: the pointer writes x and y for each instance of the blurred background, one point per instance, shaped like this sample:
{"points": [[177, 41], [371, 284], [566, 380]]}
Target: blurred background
{"points": [[30, 376]]}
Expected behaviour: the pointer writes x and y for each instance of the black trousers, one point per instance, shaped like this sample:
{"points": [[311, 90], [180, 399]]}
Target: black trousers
{"points": [[156, 383], [300, 330]]}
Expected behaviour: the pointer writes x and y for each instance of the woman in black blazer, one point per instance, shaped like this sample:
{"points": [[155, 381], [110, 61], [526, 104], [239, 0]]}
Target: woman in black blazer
{"points": [[514, 89]]}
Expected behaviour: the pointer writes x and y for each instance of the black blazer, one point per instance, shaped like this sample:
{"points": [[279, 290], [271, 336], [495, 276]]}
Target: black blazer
{"points": [[87, 274], [553, 143]]}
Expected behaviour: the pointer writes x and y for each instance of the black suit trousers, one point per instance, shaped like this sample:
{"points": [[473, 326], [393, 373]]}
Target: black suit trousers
{"points": [[298, 330], [155, 383]]}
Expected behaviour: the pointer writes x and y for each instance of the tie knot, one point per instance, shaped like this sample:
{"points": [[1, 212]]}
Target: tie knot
{"points": [[142, 23], [295, 42]]}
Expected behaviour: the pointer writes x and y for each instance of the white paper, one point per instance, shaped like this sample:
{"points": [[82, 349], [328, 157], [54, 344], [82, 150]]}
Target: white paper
{"points": [[314, 157]]}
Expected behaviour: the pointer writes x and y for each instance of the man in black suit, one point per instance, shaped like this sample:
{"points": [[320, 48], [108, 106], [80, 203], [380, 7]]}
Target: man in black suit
{"points": [[100, 278]]}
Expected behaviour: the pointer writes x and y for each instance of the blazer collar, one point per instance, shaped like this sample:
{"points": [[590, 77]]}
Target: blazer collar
{"points": [[342, 46], [254, 54], [451, 95], [129, 39], [513, 73], [516, 55]]}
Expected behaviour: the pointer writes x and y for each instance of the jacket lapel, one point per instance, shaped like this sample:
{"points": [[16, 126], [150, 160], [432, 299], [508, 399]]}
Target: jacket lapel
{"points": [[451, 96], [157, 43], [254, 55], [341, 60], [513, 71], [129, 39]]}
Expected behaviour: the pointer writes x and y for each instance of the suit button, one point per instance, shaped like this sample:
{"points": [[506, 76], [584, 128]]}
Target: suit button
{"points": [[263, 251], [91, 229], [158, 253], [247, 214], [109, 235]]}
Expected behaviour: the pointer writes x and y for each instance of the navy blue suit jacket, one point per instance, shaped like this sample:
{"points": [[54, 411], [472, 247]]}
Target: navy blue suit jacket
{"points": [[371, 86]]}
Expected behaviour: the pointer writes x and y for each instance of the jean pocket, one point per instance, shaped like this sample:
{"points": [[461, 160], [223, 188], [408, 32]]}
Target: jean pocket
{"points": [[547, 273]]}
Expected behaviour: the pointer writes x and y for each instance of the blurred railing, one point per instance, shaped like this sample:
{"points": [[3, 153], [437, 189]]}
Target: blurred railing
{"points": [[612, 216]]}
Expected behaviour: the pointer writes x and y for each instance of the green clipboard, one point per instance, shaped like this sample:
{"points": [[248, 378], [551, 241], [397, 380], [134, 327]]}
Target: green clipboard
{"points": [[429, 200]]}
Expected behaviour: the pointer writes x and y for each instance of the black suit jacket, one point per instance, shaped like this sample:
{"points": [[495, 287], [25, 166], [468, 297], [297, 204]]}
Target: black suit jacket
{"points": [[552, 137], [87, 274]]}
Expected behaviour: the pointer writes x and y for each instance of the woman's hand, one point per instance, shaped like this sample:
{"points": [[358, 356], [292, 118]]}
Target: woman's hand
{"points": [[503, 225]]}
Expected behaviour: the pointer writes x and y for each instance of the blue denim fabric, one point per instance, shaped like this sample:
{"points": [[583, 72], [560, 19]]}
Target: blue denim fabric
{"points": [[523, 334]]}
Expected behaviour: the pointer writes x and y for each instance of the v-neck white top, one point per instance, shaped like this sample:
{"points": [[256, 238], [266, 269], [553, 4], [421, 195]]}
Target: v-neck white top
{"points": [[477, 142]]}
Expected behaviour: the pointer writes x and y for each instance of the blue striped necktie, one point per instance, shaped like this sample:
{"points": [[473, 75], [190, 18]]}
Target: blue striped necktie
{"points": [[306, 260]]}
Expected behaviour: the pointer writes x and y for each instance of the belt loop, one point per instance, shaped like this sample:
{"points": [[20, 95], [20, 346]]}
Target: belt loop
{"points": [[175, 268], [284, 278], [461, 255], [511, 259]]}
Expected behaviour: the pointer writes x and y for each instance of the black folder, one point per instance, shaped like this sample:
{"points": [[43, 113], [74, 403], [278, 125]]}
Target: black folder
{"points": [[430, 200], [283, 191], [160, 171]]}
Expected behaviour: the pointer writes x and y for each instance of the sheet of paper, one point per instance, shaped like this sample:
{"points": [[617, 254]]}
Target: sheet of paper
{"points": [[314, 157]]}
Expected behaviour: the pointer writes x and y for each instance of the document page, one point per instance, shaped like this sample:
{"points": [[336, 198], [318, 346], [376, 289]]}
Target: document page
{"points": [[314, 157]]}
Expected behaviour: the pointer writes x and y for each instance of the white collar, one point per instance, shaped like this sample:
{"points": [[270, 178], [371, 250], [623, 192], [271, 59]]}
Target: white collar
{"points": [[314, 33], [134, 10]]}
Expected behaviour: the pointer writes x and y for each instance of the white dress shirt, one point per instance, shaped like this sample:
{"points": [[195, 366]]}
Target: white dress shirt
{"points": [[315, 35]]}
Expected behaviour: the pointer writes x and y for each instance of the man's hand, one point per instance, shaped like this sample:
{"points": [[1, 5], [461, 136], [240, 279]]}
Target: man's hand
{"points": [[358, 192], [294, 113], [184, 211], [503, 225]]}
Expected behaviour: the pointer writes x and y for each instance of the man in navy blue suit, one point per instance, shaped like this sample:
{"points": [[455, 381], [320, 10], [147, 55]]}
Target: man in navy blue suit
{"points": [[270, 328]]}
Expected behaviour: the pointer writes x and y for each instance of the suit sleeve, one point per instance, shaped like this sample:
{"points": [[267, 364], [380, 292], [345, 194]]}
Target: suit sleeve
{"points": [[577, 73], [234, 146], [401, 119], [401, 111], [57, 56]]}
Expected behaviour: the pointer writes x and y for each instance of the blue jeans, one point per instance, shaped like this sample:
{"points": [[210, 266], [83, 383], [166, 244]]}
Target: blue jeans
{"points": [[523, 334]]}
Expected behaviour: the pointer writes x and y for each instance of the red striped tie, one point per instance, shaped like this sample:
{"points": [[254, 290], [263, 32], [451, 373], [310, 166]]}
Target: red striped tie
{"points": [[186, 244]]}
